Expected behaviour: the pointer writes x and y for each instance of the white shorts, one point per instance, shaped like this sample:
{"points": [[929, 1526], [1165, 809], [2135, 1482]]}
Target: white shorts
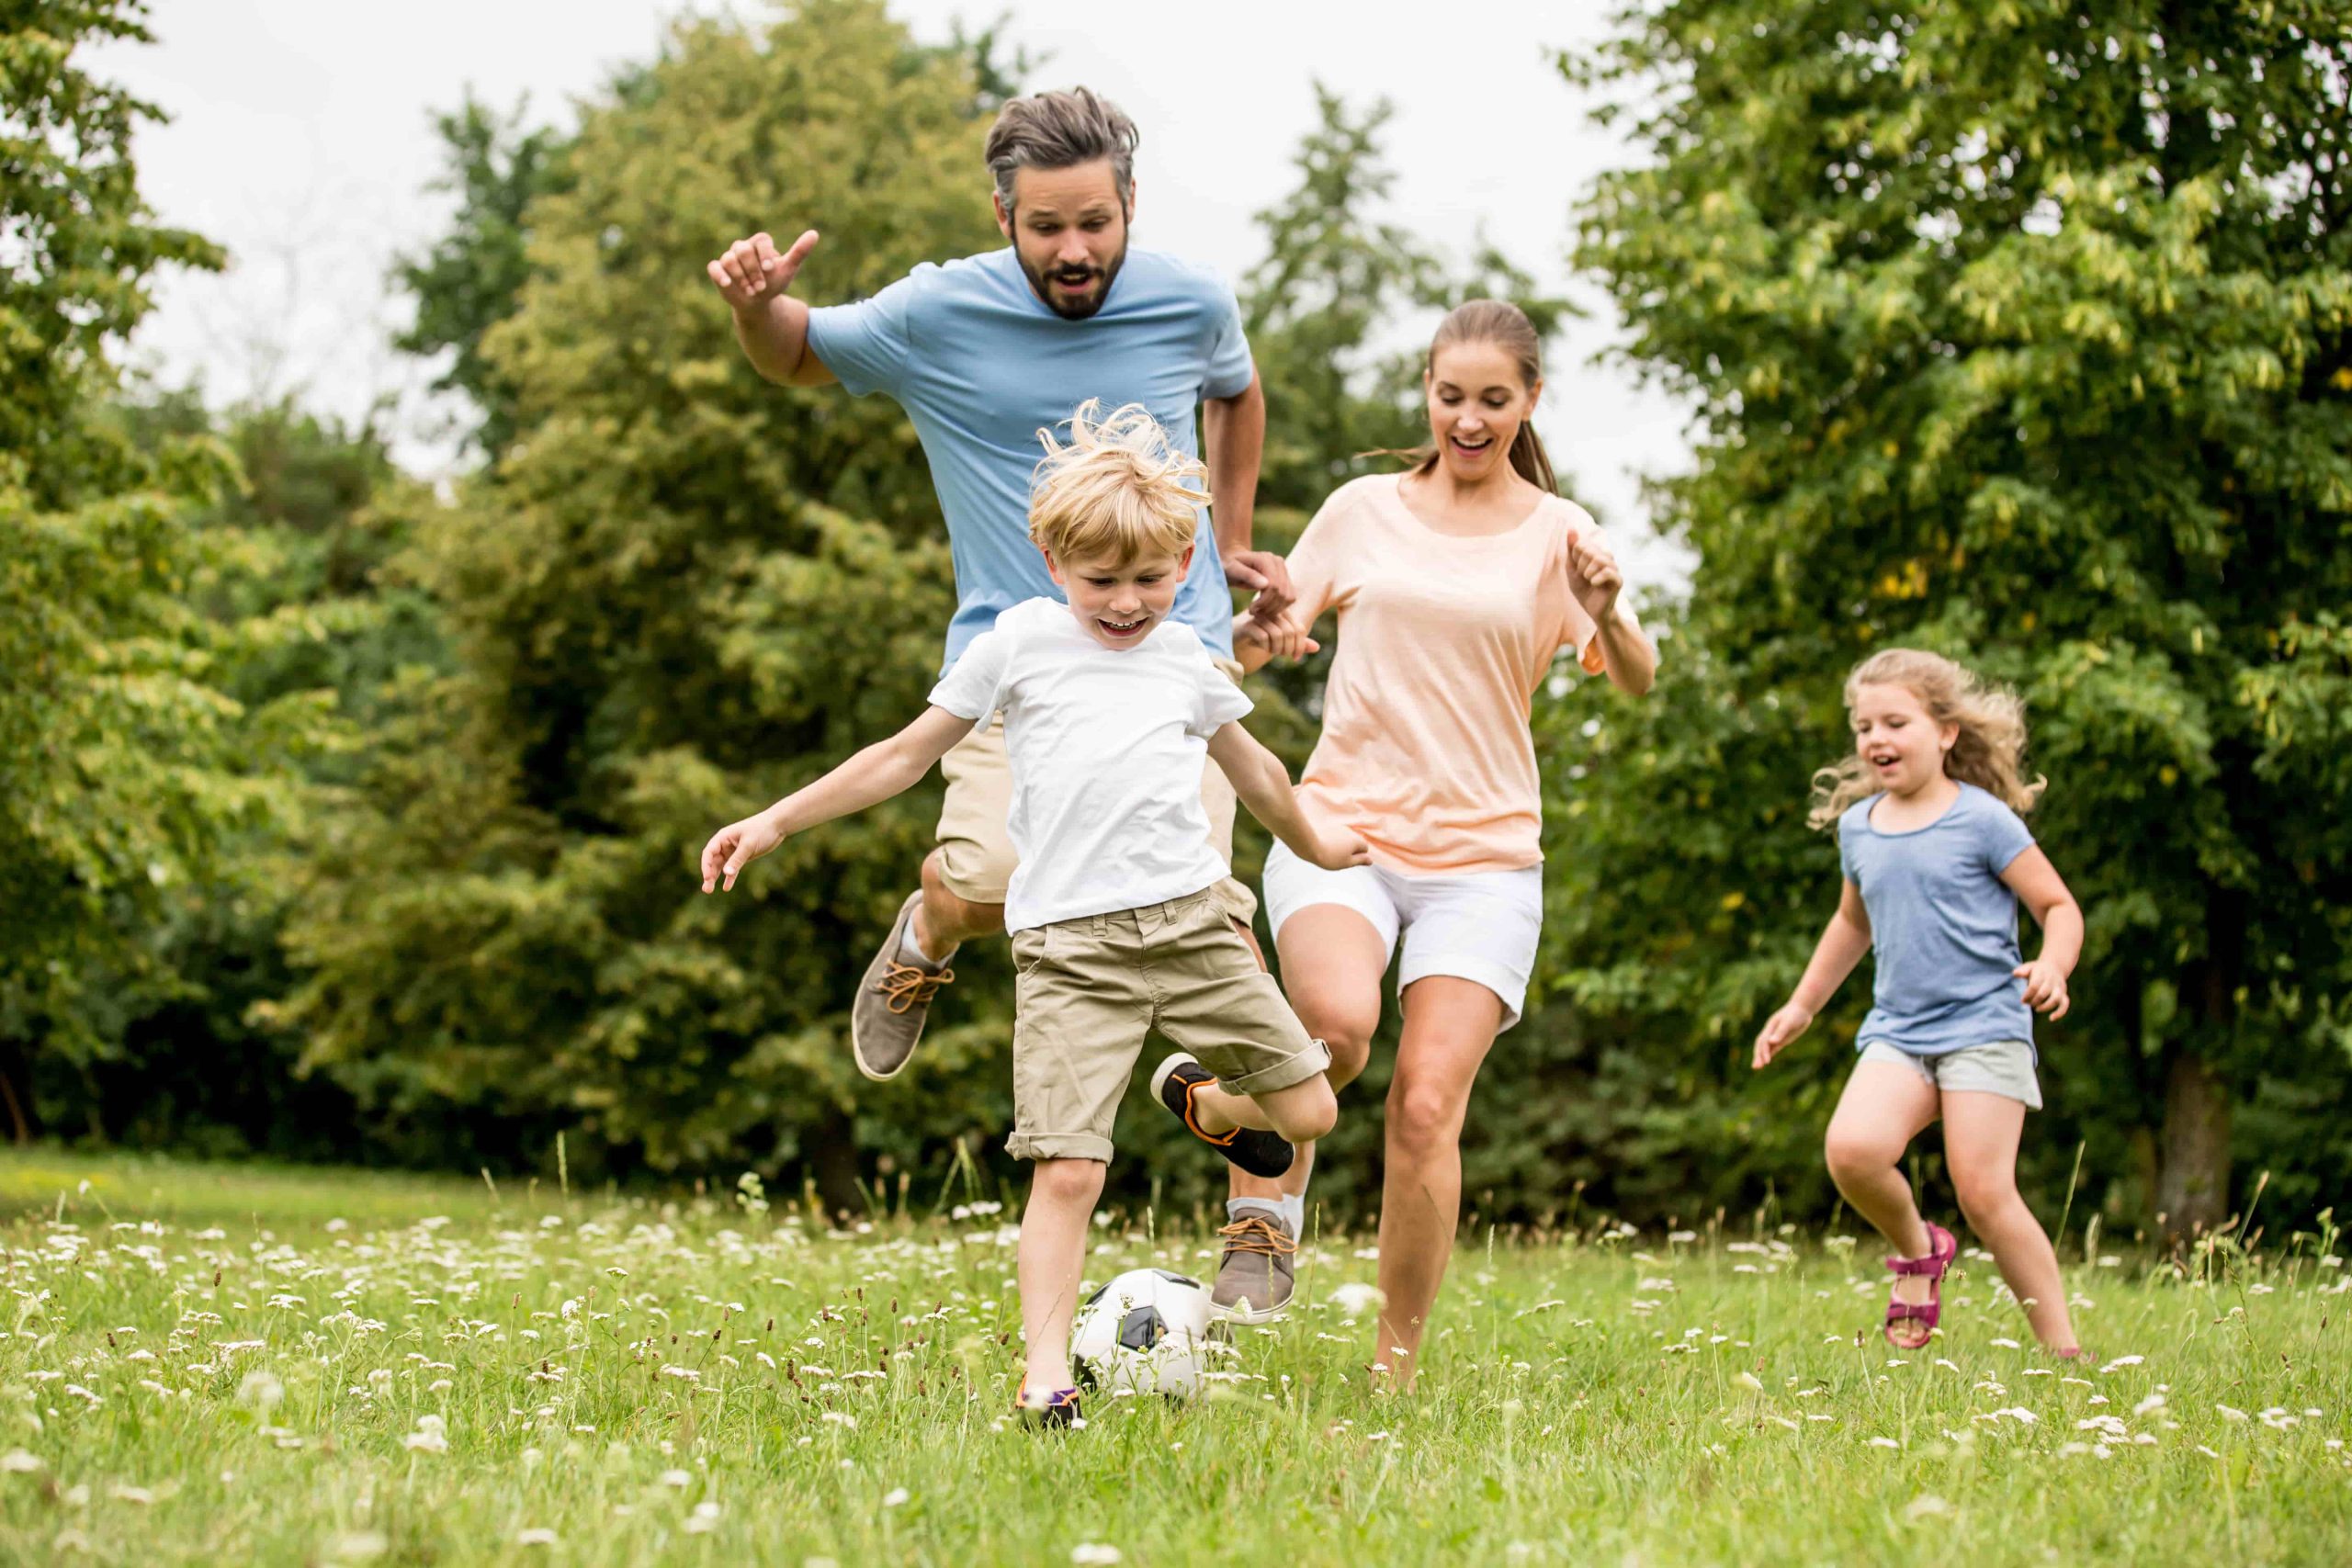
{"points": [[1481, 927]]}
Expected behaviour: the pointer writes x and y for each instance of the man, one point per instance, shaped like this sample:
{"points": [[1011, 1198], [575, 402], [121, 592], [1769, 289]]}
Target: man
{"points": [[983, 353]]}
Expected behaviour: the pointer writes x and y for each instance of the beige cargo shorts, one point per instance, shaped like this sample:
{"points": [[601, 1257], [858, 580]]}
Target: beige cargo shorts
{"points": [[975, 858], [1089, 990]]}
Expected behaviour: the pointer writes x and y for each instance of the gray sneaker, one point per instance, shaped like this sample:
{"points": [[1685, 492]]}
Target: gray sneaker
{"points": [[892, 1002], [1256, 1277]]}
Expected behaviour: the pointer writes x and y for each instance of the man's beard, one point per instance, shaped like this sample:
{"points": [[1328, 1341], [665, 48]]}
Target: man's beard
{"points": [[1062, 305]]}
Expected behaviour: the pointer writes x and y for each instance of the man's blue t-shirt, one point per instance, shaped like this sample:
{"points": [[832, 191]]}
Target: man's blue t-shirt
{"points": [[1944, 924], [981, 364]]}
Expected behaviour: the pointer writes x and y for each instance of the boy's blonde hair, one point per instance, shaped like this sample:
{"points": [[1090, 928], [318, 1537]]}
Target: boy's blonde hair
{"points": [[1117, 489], [1988, 753]]}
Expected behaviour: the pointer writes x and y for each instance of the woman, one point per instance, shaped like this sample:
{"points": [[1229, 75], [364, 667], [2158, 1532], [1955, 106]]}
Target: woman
{"points": [[1457, 584]]}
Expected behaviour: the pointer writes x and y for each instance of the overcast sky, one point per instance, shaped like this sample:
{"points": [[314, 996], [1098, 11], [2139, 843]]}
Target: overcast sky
{"points": [[300, 138]]}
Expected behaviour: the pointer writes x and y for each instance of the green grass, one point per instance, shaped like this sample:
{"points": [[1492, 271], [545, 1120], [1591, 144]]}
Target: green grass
{"points": [[211, 1364]]}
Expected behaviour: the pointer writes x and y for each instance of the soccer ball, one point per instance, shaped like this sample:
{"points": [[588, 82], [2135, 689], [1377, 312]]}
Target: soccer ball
{"points": [[1143, 1332]]}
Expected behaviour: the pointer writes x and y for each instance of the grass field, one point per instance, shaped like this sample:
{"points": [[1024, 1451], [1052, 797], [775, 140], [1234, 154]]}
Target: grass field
{"points": [[210, 1364]]}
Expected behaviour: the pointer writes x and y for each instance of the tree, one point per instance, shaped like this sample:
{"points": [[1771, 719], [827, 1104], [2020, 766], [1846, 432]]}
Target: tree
{"points": [[119, 755], [2020, 334], [678, 590]]}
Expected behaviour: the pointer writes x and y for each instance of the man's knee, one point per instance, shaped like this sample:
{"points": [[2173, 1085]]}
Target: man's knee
{"points": [[949, 917]]}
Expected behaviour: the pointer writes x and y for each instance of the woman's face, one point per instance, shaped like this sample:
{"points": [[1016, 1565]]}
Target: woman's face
{"points": [[1477, 404]]}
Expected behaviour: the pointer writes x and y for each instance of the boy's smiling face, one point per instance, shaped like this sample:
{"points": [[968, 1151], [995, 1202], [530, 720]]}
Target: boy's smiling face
{"points": [[1119, 603]]}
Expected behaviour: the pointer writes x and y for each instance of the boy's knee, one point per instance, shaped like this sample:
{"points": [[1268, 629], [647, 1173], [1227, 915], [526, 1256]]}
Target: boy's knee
{"points": [[1066, 1180], [1306, 1114], [949, 917]]}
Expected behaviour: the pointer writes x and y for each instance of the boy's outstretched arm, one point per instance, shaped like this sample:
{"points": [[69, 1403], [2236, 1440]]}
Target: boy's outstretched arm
{"points": [[1843, 943], [1258, 777], [882, 770]]}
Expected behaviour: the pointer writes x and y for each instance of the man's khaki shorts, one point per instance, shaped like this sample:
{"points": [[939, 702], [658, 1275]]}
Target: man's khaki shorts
{"points": [[975, 858], [1089, 990]]}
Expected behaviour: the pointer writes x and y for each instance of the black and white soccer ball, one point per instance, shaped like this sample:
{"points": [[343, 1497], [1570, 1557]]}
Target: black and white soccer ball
{"points": [[1145, 1331]]}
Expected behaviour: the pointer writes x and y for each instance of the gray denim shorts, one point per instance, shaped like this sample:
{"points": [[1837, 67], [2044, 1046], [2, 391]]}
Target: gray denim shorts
{"points": [[2004, 1067]]}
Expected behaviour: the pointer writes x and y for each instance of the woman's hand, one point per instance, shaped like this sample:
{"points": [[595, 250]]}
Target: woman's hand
{"points": [[1593, 576], [1778, 1030], [2045, 986], [1280, 636], [736, 846]]}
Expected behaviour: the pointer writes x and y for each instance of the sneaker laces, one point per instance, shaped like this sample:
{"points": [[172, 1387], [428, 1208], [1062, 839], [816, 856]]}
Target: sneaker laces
{"points": [[910, 986], [1252, 1233]]}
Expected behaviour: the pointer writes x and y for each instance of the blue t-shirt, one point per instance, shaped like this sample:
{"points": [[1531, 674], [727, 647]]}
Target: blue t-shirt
{"points": [[981, 364], [1944, 925]]}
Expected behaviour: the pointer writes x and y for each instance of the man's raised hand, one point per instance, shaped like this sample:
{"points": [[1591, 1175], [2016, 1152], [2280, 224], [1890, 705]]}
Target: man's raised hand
{"points": [[753, 272]]}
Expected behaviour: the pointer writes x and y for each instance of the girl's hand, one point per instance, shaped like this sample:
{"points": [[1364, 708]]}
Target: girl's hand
{"points": [[1339, 848], [1593, 576], [1778, 1030], [2045, 986], [1281, 636], [734, 847]]}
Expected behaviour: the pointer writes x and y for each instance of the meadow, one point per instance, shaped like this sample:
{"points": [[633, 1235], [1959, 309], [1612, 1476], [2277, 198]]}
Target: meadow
{"points": [[218, 1364]]}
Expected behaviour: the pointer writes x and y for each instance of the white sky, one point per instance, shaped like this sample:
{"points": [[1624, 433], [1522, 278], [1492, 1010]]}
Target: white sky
{"points": [[300, 138]]}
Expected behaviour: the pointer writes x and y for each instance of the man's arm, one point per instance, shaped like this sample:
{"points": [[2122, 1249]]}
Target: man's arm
{"points": [[1234, 431], [771, 326]]}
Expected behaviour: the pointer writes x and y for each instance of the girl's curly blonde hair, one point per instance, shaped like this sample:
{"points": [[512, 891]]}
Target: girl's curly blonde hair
{"points": [[1115, 491], [1989, 753]]}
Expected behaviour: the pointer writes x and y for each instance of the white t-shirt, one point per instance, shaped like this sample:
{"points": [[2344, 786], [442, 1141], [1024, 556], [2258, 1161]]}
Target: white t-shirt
{"points": [[1107, 747]]}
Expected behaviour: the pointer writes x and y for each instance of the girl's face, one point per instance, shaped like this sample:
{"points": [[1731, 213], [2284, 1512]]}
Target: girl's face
{"points": [[1894, 733], [1477, 403]]}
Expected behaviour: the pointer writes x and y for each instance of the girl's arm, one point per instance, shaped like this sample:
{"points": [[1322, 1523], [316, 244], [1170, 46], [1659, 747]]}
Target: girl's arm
{"points": [[1843, 943], [882, 770], [1258, 777], [2040, 888]]}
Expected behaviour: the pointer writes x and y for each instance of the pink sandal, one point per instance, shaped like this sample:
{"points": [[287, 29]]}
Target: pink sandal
{"points": [[1942, 1247]]}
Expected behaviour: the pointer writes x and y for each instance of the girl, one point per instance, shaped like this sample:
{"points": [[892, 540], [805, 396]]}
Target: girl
{"points": [[1935, 861], [1456, 583]]}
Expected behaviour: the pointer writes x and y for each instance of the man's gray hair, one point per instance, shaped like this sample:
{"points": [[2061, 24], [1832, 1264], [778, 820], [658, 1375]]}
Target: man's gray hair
{"points": [[1060, 130]]}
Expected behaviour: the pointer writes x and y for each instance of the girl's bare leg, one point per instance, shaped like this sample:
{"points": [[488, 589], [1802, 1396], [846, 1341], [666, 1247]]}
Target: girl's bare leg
{"points": [[1883, 1108], [1981, 1133]]}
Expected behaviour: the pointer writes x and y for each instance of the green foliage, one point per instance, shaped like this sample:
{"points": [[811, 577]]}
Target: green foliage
{"points": [[679, 592], [470, 278], [2021, 334], [123, 760]]}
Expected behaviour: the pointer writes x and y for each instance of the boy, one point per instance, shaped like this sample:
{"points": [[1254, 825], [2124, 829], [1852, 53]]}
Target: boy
{"points": [[1111, 710]]}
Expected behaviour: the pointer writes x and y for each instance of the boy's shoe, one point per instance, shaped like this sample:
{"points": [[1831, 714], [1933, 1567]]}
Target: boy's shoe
{"points": [[1060, 1408], [1174, 1084], [1256, 1277], [892, 1002]]}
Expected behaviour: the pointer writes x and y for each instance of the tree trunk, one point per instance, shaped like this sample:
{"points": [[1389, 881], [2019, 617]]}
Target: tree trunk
{"points": [[2193, 1193], [832, 1161]]}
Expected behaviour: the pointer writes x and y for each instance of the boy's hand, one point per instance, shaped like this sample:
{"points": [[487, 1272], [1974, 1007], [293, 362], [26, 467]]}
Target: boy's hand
{"points": [[2045, 986], [1281, 636], [1778, 1030], [751, 273], [1593, 576], [734, 847], [1336, 849]]}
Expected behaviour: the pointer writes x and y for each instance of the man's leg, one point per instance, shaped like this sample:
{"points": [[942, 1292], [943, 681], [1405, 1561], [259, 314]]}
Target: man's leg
{"points": [[961, 897]]}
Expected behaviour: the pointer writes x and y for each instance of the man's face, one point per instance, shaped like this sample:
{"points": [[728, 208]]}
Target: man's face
{"points": [[1119, 603], [1071, 233]]}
